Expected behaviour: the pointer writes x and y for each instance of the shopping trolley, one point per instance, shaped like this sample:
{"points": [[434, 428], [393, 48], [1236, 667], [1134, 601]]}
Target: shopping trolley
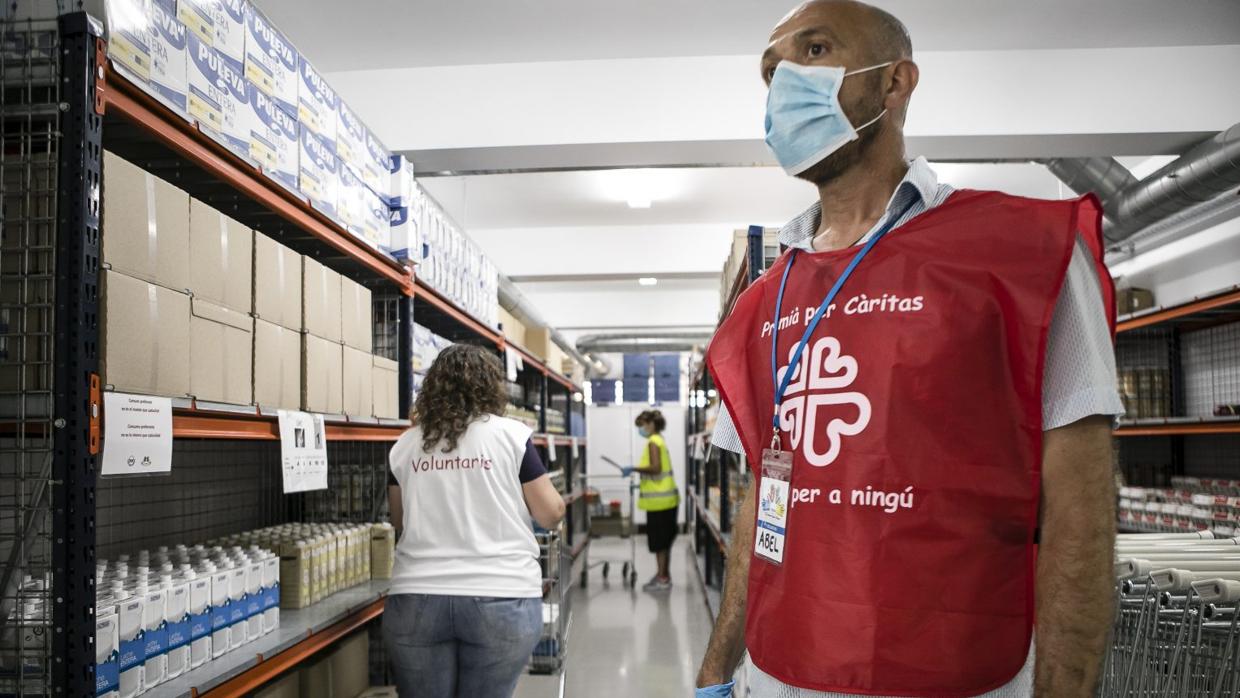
{"points": [[548, 657], [628, 572], [1177, 623]]}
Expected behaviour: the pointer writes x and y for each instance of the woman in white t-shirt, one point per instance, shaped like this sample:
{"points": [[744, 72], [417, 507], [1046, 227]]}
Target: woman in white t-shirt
{"points": [[465, 609]]}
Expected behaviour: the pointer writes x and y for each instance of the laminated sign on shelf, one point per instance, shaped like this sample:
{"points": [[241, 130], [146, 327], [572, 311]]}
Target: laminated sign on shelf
{"points": [[303, 451], [137, 434]]}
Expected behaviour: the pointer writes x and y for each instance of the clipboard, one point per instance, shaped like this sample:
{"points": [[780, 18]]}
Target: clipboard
{"points": [[612, 463]]}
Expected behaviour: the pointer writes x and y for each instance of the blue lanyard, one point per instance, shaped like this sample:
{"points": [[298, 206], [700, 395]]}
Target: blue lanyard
{"points": [[781, 386]]}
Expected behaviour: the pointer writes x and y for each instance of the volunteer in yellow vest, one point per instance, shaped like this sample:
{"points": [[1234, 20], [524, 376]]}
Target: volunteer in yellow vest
{"points": [[659, 497]]}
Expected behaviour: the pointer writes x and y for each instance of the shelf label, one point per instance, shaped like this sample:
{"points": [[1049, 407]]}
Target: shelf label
{"points": [[550, 448], [303, 451], [137, 434], [573, 444]]}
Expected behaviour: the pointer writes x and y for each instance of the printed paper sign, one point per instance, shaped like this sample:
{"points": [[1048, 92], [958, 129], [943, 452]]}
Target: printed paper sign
{"points": [[137, 434], [303, 451]]}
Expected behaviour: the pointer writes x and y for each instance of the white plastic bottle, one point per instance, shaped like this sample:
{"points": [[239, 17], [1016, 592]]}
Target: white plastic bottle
{"points": [[236, 602]]}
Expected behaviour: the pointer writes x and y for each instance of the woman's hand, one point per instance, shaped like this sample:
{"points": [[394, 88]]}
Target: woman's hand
{"points": [[546, 504]]}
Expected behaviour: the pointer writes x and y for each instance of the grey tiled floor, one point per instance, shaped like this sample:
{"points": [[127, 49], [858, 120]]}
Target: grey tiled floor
{"points": [[632, 644]]}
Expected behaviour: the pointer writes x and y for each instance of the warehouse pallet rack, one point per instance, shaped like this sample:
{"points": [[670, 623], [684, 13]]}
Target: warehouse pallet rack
{"points": [[1179, 370], [715, 474], [62, 105]]}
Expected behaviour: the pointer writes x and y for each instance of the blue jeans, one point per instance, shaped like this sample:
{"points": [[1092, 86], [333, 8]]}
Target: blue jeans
{"points": [[467, 646]]}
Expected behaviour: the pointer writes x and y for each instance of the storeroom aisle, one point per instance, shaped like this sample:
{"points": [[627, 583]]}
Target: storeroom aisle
{"points": [[631, 643]]}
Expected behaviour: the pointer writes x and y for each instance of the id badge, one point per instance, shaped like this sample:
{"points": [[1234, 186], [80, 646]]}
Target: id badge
{"points": [[774, 505]]}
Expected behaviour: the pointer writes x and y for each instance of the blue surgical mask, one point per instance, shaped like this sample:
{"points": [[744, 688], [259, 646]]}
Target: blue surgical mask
{"points": [[645, 433], [804, 120]]}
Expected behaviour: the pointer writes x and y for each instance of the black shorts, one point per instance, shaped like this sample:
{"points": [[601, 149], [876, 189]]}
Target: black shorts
{"points": [[661, 529]]}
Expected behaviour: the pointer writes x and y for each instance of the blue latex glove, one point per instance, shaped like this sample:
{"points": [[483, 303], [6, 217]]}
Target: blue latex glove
{"points": [[721, 691], [627, 471]]}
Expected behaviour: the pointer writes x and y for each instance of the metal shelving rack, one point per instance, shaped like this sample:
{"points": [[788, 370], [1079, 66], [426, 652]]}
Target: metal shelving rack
{"points": [[713, 471], [62, 106], [1194, 350]]}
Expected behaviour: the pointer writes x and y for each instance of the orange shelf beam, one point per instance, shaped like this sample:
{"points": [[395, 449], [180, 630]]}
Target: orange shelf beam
{"points": [[1179, 311], [1179, 429], [122, 97], [196, 424], [269, 668]]}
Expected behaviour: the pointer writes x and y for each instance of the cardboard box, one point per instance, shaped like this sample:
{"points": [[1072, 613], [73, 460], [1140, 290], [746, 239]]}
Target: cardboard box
{"points": [[277, 366], [277, 283], [129, 37], [223, 254], [234, 129], [538, 342], [321, 301], [198, 17], [287, 687], [318, 172], [385, 382], [168, 56], [322, 369], [408, 209], [221, 365], [1131, 300], [350, 665], [376, 170], [357, 329], [229, 21], [513, 328], [351, 201], [350, 139], [271, 61], [273, 136], [206, 92], [317, 104], [145, 337], [132, 200], [316, 679], [376, 221], [358, 386]]}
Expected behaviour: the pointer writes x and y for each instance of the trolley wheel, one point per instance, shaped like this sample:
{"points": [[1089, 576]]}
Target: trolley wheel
{"points": [[606, 569]]}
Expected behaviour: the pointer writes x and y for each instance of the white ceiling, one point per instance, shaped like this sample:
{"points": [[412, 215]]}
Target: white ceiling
{"points": [[366, 34]]}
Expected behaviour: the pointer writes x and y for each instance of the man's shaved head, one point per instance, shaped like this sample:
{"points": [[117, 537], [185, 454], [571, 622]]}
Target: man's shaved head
{"points": [[854, 36]]}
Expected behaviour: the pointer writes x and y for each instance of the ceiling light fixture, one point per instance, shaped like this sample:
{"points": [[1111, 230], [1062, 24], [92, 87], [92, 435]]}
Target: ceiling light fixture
{"points": [[648, 281]]}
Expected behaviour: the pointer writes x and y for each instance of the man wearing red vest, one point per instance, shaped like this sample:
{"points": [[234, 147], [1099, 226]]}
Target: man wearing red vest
{"points": [[923, 387]]}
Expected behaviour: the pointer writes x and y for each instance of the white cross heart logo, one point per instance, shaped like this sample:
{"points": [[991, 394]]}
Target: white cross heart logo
{"points": [[827, 369]]}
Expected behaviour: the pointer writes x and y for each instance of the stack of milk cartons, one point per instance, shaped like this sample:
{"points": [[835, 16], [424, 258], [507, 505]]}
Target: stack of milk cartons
{"points": [[171, 611], [408, 203], [426, 348], [316, 560], [365, 178], [455, 266]]}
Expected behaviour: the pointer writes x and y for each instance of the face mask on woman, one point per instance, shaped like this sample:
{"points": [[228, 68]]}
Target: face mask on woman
{"points": [[644, 432]]}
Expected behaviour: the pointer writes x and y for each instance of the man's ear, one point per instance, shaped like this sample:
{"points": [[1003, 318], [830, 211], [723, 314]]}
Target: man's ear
{"points": [[903, 82]]}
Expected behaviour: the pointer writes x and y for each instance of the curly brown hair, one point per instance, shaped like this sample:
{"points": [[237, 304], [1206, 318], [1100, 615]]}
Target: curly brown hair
{"points": [[652, 417], [465, 383]]}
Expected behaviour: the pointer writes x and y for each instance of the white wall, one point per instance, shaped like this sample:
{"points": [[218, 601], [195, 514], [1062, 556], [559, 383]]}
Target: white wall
{"points": [[1195, 266]]}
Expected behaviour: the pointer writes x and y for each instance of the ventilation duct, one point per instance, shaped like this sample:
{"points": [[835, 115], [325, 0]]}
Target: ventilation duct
{"points": [[512, 300], [1206, 171], [642, 342]]}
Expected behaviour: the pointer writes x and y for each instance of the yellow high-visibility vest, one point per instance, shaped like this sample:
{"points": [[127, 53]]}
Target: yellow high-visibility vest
{"points": [[658, 492]]}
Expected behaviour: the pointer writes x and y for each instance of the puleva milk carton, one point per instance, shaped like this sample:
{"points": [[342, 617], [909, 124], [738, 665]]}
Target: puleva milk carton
{"points": [[168, 56], [351, 203], [237, 629], [319, 177], [377, 166], [234, 110], [271, 592], [376, 219], [254, 598], [220, 612], [273, 137], [131, 643], [317, 104], [178, 626], [271, 62], [155, 634], [107, 649], [199, 620]]}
